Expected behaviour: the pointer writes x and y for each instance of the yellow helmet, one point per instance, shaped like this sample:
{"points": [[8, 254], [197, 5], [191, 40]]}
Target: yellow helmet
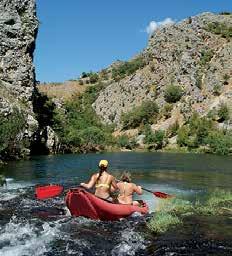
{"points": [[103, 163]]}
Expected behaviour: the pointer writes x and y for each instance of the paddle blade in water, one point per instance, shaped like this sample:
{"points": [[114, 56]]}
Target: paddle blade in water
{"points": [[48, 191], [162, 195]]}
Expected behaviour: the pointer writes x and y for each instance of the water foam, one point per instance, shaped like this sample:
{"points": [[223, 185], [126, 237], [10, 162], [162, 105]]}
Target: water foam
{"points": [[24, 238], [130, 243]]}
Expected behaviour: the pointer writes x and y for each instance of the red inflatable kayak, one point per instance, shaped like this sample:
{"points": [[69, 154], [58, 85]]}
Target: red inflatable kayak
{"points": [[82, 203]]}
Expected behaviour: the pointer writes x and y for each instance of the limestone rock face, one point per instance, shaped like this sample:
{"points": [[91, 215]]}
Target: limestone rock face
{"points": [[186, 54], [18, 30]]}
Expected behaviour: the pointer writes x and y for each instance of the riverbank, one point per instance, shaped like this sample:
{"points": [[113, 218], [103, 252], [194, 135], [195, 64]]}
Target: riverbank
{"points": [[172, 212]]}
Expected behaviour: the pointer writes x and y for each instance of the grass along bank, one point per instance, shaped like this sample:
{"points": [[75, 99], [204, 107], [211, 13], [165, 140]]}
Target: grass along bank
{"points": [[171, 212]]}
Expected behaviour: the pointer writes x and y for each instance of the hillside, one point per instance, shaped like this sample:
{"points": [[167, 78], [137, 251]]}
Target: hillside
{"points": [[174, 95], [193, 54]]}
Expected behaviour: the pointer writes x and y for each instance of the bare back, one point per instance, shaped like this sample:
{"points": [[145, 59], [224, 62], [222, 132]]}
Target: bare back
{"points": [[126, 191], [103, 184]]}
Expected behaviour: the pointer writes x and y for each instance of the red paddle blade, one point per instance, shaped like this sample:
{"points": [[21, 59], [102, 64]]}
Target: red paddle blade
{"points": [[44, 192], [162, 195]]}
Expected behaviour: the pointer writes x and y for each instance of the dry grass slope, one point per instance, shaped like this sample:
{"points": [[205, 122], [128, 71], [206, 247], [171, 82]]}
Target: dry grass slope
{"points": [[63, 91]]}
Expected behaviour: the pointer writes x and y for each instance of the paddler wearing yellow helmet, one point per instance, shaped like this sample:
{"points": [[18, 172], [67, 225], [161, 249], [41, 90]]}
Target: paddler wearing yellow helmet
{"points": [[103, 181]]}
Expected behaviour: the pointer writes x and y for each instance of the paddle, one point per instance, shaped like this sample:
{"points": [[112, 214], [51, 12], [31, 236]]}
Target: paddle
{"points": [[49, 191], [158, 194]]}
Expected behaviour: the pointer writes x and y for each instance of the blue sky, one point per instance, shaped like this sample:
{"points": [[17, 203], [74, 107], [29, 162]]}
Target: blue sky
{"points": [[88, 35]]}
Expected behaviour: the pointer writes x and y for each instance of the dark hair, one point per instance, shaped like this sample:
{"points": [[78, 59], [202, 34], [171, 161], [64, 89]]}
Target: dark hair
{"points": [[102, 168], [126, 177]]}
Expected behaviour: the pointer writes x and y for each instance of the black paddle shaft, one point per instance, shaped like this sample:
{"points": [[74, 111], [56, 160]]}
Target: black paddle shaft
{"points": [[147, 190]]}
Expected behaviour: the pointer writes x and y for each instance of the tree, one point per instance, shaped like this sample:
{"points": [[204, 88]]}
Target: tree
{"points": [[173, 93]]}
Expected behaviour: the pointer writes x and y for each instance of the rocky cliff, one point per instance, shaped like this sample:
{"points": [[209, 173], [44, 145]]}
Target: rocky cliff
{"points": [[18, 30], [194, 54]]}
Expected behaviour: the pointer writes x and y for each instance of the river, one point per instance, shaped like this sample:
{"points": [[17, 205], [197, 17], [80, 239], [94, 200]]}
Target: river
{"points": [[32, 227]]}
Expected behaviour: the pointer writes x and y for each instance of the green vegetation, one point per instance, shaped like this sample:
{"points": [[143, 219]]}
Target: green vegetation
{"points": [[79, 127], [127, 68], [225, 13], [199, 80], [146, 113], [195, 132], [198, 132], [223, 112], [10, 128], [226, 78], [219, 202], [219, 142], [220, 29], [93, 77], [217, 90], [166, 111], [173, 93], [156, 137], [172, 212], [124, 142], [206, 56], [162, 222], [172, 130]]}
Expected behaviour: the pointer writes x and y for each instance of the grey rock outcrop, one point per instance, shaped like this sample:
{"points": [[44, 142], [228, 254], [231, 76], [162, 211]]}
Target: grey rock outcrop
{"points": [[18, 30], [187, 54]]}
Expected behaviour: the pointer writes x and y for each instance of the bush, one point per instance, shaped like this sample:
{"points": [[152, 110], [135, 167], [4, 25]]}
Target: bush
{"points": [[92, 135], [225, 13], [127, 68], [217, 90], [199, 80], [206, 56], [183, 136], [124, 142], [81, 82], [156, 137], [167, 109], [173, 129], [173, 93], [93, 78], [199, 128], [223, 113], [220, 29], [219, 142], [140, 115], [10, 128]]}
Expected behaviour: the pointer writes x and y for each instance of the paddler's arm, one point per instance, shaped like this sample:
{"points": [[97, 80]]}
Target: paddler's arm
{"points": [[138, 189], [91, 182], [114, 185]]}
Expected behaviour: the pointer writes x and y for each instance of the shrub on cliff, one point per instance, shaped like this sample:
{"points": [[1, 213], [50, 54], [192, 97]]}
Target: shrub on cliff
{"points": [[223, 113], [206, 56], [10, 128], [173, 93], [127, 68], [220, 29], [140, 115], [93, 78]]}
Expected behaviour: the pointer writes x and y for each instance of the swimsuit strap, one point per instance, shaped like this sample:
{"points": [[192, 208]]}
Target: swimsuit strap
{"points": [[102, 185]]}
